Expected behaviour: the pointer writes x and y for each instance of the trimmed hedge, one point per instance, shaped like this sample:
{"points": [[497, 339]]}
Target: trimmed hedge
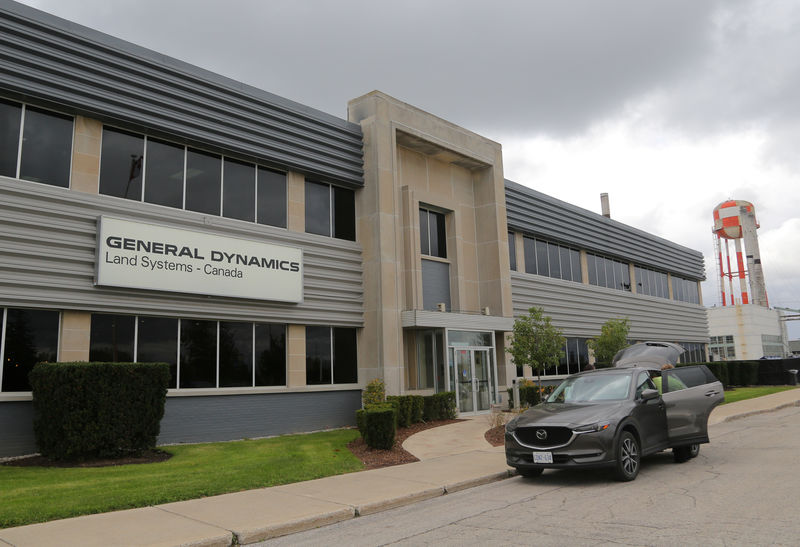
{"points": [[529, 394], [379, 426], [409, 408], [440, 406], [97, 410]]}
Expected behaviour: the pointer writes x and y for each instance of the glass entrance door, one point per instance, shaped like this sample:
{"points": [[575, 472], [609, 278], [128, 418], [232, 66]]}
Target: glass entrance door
{"points": [[473, 379]]}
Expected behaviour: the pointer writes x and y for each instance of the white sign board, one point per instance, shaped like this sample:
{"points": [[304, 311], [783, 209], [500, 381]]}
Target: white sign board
{"points": [[147, 256]]}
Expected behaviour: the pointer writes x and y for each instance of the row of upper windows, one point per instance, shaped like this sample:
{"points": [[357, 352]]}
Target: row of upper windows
{"points": [[201, 353], [141, 168], [562, 262]]}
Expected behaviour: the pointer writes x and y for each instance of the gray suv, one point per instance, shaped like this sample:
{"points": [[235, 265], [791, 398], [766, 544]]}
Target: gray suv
{"points": [[612, 417]]}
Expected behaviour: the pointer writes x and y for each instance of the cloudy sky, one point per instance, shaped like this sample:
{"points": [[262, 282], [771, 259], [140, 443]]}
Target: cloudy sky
{"points": [[669, 106]]}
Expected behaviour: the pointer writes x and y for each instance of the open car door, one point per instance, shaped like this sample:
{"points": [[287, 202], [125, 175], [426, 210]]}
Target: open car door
{"points": [[690, 394]]}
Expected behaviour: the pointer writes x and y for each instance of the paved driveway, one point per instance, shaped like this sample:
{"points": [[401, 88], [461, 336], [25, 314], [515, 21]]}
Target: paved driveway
{"points": [[743, 489]]}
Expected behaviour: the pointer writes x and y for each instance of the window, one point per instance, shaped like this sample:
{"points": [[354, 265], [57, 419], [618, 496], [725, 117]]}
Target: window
{"points": [[432, 233], [330, 211], [239, 190], [722, 348], [651, 282], [28, 337], [212, 354], [685, 290], [552, 259], [145, 169], [203, 182], [163, 179], [429, 372], [608, 272], [512, 251], [111, 338], [331, 356], [46, 154], [271, 204], [695, 352], [771, 345], [574, 358], [121, 159], [10, 119]]}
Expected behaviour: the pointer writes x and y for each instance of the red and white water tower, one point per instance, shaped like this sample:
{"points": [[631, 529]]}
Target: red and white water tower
{"points": [[736, 220]]}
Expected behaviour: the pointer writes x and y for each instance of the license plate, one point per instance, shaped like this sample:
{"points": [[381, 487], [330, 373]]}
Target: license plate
{"points": [[542, 457]]}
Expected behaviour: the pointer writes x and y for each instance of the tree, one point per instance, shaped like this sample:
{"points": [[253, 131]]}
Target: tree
{"points": [[613, 337], [536, 342]]}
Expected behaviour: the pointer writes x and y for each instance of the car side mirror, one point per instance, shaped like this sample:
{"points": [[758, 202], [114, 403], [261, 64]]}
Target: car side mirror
{"points": [[649, 394]]}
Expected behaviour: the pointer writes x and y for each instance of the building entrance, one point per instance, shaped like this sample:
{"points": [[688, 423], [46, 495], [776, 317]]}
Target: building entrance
{"points": [[472, 373]]}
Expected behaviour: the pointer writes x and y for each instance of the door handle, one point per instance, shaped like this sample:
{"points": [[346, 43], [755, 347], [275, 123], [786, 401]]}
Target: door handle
{"points": [[711, 393]]}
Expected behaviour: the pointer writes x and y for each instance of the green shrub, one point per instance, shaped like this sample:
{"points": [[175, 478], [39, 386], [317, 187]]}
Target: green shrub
{"points": [[380, 427], [361, 421], [417, 407], [440, 406], [89, 410], [529, 394], [374, 393]]}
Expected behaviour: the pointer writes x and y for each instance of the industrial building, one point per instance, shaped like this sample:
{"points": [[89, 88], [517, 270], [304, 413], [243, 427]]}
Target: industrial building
{"points": [[279, 258]]}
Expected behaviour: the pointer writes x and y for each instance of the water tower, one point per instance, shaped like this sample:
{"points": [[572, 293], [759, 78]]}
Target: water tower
{"points": [[736, 220]]}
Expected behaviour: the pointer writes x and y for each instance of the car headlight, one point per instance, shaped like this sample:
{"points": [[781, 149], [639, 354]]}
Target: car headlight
{"points": [[591, 428], [512, 425]]}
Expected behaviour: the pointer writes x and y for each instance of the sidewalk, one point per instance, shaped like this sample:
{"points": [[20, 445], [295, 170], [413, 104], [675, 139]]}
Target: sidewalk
{"points": [[452, 457]]}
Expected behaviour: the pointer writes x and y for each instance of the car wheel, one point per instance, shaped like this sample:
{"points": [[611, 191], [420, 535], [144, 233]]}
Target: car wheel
{"points": [[694, 451], [530, 473], [628, 457], [682, 453]]}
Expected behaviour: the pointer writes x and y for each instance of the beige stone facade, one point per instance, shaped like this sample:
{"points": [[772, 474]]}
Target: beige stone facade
{"points": [[414, 160]]}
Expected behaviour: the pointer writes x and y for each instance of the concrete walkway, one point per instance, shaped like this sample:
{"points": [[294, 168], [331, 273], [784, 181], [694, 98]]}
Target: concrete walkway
{"points": [[452, 457]]}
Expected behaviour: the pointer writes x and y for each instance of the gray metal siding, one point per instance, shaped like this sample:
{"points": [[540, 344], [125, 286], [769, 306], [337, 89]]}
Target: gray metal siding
{"points": [[48, 60], [47, 260], [580, 310], [534, 213], [435, 284], [230, 417], [211, 419], [16, 429]]}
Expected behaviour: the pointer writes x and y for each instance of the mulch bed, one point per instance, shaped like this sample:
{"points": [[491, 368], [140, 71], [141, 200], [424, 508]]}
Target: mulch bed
{"points": [[150, 456], [496, 436], [374, 458]]}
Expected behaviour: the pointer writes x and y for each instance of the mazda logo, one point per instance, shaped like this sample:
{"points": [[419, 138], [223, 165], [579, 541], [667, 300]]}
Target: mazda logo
{"points": [[541, 434]]}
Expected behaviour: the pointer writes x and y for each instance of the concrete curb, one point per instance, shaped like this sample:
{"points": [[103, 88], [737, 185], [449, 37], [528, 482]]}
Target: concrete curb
{"points": [[756, 412], [471, 483], [245, 536]]}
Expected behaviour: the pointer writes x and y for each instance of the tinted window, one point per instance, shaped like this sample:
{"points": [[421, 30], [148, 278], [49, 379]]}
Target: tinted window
{"points": [[111, 338], [10, 118], [198, 354], [271, 198], [432, 233], [344, 214], [566, 263], [345, 363], [575, 262], [529, 246], [163, 183], [46, 148], [318, 208], [203, 180], [235, 354], [31, 337], [121, 164], [239, 190], [512, 251], [541, 258], [270, 355], [591, 266], [689, 376], [318, 355], [157, 342]]}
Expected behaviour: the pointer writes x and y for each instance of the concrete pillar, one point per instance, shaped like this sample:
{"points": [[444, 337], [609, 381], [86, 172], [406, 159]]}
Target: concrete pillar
{"points": [[85, 175], [296, 194], [73, 342], [296, 355]]}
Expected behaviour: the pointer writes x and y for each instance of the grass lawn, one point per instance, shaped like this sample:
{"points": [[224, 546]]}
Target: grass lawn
{"points": [[742, 393], [37, 494]]}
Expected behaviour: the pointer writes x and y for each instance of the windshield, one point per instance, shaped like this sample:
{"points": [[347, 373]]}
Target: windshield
{"points": [[592, 388]]}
